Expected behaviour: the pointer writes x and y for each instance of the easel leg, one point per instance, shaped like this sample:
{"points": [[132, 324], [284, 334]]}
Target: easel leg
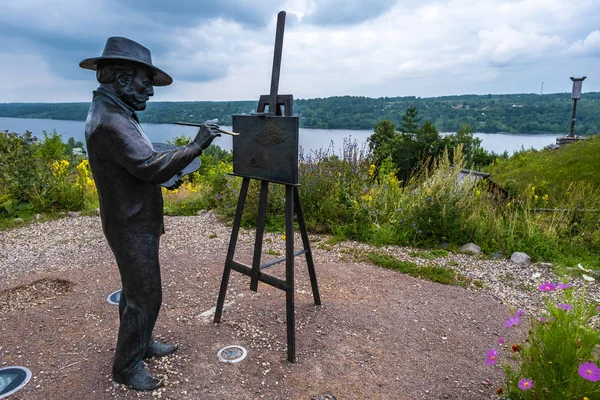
{"points": [[260, 229], [231, 250], [289, 272], [306, 243]]}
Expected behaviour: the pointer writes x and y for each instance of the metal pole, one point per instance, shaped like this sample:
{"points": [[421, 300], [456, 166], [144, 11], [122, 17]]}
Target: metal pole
{"points": [[572, 133]]}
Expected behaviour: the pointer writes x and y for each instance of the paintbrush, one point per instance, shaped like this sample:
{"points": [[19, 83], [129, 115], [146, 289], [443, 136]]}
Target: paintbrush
{"points": [[199, 125]]}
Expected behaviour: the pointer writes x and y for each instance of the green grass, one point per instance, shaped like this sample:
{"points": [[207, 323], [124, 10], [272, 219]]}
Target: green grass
{"points": [[273, 253], [551, 171], [429, 255], [446, 276]]}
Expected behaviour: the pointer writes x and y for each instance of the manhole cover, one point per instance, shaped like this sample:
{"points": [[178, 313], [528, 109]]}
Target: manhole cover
{"points": [[232, 354], [114, 297], [13, 379]]}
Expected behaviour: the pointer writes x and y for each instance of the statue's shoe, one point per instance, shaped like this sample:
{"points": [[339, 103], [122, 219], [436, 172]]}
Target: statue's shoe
{"points": [[157, 349], [141, 380]]}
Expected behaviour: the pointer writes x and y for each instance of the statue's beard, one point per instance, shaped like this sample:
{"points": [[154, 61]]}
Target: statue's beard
{"points": [[135, 100]]}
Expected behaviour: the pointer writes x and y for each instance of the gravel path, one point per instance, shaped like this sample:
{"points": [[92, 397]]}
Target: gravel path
{"points": [[379, 334]]}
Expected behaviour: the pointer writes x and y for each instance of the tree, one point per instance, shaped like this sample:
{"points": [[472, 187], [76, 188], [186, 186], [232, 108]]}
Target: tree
{"points": [[380, 140], [410, 120]]}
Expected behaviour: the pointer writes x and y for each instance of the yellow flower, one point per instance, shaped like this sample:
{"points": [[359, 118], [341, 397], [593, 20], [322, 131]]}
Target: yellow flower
{"points": [[477, 193], [585, 398], [372, 170], [545, 198], [367, 198], [283, 237]]}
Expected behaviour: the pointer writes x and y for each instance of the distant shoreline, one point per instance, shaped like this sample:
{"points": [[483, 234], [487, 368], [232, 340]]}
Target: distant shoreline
{"points": [[511, 113]]}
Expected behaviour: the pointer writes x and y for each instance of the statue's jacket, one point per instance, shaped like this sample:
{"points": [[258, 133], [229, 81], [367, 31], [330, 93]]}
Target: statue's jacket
{"points": [[127, 170]]}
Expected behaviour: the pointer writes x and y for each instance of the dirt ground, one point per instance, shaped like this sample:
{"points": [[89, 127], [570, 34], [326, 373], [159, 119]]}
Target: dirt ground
{"points": [[378, 335]]}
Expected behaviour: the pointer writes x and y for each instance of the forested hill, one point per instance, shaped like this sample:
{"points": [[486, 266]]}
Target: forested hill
{"points": [[526, 113]]}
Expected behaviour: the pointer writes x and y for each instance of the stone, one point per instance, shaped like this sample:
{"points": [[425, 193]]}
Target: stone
{"points": [[544, 265], [520, 258], [497, 256], [97, 211], [73, 214], [201, 212], [19, 220], [38, 216], [470, 248]]}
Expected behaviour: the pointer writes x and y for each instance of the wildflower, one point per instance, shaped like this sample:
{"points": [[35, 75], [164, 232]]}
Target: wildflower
{"points": [[564, 286], [543, 320], [491, 357], [520, 312], [564, 306], [283, 237], [525, 384], [587, 278], [547, 287], [427, 198], [598, 309], [512, 321], [589, 371], [500, 340], [515, 348], [372, 170], [583, 269], [536, 275]]}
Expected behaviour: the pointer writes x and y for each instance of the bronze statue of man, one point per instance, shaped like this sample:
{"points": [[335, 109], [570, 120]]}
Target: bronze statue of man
{"points": [[127, 172]]}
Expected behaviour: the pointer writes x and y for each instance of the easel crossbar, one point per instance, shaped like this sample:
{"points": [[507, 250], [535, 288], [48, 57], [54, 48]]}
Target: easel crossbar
{"points": [[282, 259], [268, 279]]}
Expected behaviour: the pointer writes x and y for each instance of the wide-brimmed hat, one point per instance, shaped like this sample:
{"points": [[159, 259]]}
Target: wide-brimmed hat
{"points": [[123, 49]]}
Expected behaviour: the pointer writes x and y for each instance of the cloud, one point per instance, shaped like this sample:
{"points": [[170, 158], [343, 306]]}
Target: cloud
{"points": [[381, 48], [250, 13], [345, 12], [588, 47]]}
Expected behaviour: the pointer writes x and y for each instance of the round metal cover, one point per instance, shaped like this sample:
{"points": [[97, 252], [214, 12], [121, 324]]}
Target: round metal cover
{"points": [[232, 354], [13, 379], [114, 297]]}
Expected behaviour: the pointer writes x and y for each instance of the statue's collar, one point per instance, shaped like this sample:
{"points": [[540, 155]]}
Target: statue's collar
{"points": [[119, 102]]}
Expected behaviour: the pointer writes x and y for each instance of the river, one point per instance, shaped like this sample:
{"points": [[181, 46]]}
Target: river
{"points": [[310, 139]]}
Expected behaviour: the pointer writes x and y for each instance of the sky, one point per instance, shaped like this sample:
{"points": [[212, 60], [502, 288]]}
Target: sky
{"points": [[223, 50]]}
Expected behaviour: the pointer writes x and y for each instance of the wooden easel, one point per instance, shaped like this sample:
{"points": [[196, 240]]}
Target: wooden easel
{"points": [[292, 207]]}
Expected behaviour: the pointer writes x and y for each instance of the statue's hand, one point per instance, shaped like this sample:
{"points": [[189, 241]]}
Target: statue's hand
{"points": [[176, 185], [206, 134]]}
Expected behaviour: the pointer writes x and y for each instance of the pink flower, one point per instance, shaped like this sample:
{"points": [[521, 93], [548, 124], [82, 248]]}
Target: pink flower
{"points": [[512, 321], [520, 312], [564, 306], [589, 371], [491, 357], [500, 340], [525, 384], [547, 287], [598, 309], [564, 285]]}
